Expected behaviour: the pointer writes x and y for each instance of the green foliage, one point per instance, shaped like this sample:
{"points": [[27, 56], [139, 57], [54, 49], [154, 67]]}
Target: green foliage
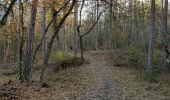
{"points": [[65, 61], [60, 57], [71, 62], [136, 57], [157, 62]]}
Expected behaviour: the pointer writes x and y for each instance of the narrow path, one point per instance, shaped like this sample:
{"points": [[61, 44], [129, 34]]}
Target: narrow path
{"points": [[106, 88]]}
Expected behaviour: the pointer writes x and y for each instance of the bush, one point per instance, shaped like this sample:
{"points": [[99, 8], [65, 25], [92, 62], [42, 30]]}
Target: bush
{"points": [[157, 62], [120, 59], [71, 62], [65, 61], [60, 57], [136, 57]]}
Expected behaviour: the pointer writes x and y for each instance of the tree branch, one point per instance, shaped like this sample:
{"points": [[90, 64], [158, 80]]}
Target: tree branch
{"points": [[4, 17], [92, 25], [39, 45]]}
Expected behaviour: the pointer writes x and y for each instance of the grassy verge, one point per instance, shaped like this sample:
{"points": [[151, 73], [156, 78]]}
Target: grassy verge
{"points": [[135, 85]]}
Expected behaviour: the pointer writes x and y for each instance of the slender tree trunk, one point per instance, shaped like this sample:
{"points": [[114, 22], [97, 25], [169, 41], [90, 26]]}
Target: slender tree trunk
{"points": [[75, 29], [97, 27], [20, 41], [43, 28], [81, 48], [64, 32], [151, 39], [110, 25], [165, 32], [29, 42]]}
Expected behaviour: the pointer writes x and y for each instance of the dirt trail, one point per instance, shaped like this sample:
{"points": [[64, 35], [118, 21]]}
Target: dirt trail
{"points": [[106, 87]]}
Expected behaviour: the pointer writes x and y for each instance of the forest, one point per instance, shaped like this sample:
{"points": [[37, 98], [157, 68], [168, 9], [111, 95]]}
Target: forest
{"points": [[84, 50]]}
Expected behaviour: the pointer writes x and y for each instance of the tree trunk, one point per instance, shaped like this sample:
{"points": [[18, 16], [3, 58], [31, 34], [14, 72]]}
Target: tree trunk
{"points": [[50, 44], [151, 39], [165, 32], [29, 42], [20, 41], [97, 27], [75, 29], [110, 25], [43, 28], [81, 48]]}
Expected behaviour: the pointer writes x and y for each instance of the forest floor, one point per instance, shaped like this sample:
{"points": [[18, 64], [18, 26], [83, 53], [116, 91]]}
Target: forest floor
{"points": [[99, 80]]}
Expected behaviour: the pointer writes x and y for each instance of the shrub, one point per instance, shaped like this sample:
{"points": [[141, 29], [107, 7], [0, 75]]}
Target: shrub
{"points": [[157, 62], [120, 60], [136, 57], [65, 61], [60, 57]]}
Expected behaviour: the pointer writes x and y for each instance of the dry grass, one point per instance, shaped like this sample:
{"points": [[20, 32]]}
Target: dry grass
{"points": [[134, 84], [136, 88]]}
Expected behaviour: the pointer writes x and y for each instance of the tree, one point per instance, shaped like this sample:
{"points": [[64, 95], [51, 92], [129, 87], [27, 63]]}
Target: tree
{"points": [[151, 39], [87, 32], [110, 25], [165, 32], [29, 42], [49, 45], [20, 40], [7, 12], [43, 28], [75, 46]]}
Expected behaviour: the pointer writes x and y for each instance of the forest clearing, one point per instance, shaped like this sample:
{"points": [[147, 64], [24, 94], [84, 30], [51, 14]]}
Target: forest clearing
{"points": [[84, 50]]}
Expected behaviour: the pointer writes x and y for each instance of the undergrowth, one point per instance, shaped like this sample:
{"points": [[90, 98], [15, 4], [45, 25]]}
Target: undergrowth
{"points": [[137, 58]]}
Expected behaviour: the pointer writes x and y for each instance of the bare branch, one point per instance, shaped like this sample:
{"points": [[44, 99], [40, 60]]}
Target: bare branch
{"points": [[92, 25], [39, 45], [4, 17]]}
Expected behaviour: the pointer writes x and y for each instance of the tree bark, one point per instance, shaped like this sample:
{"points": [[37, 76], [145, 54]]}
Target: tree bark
{"points": [[151, 39], [43, 28], [165, 32], [110, 25], [50, 44], [29, 42], [20, 40], [75, 47]]}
